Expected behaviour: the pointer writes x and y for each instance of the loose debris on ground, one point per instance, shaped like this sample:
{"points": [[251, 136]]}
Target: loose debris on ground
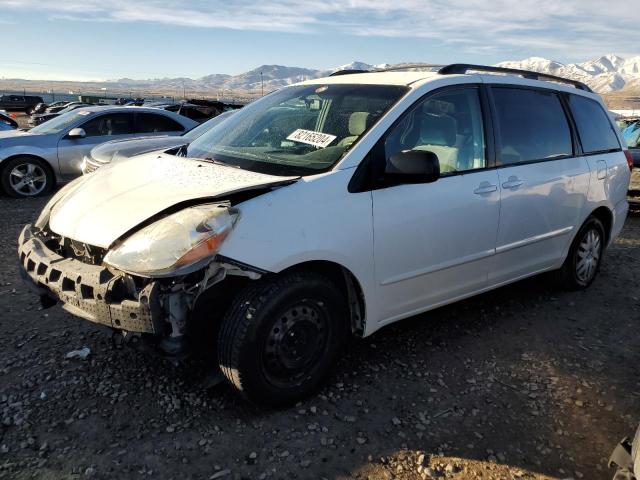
{"points": [[521, 383]]}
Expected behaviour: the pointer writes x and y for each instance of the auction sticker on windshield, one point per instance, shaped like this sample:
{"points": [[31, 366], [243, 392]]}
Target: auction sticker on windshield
{"points": [[317, 139]]}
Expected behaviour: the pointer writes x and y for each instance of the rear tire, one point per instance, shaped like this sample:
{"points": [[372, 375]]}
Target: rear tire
{"points": [[583, 261], [281, 336], [23, 177]]}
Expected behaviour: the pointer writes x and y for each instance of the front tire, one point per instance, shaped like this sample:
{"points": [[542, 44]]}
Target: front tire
{"points": [[23, 177], [583, 261], [281, 336]]}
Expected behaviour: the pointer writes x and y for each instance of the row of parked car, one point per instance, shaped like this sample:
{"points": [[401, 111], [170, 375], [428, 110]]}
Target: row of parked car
{"points": [[59, 148]]}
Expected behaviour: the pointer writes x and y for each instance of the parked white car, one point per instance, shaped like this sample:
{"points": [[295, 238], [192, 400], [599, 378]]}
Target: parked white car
{"points": [[31, 162], [332, 208]]}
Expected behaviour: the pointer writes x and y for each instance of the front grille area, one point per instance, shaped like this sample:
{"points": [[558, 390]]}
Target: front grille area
{"points": [[88, 290]]}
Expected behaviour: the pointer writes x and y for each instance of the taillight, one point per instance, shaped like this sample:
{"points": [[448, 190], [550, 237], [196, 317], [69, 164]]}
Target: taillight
{"points": [[627, 154]]}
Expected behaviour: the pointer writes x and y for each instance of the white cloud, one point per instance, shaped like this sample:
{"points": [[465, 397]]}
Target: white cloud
{"points": [[570, 29]]}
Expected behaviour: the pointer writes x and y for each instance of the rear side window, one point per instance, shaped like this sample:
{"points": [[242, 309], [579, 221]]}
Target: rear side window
{"points": [[152, 123], [594, 127], [532, 125]]}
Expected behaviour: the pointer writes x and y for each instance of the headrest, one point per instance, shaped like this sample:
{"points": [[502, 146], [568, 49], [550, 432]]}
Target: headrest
{"points": [[438, 130], [358, 123]]}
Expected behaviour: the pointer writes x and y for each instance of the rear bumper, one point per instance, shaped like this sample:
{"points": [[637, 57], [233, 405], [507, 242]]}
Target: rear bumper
{"points": [[92, 292]]}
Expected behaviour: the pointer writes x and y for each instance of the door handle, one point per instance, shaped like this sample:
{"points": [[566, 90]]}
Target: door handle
{"points": [[512, 182], [485, 187]]}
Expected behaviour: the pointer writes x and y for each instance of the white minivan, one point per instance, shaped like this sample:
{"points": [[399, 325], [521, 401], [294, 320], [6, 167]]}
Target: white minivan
{"points": [[334, 207]]}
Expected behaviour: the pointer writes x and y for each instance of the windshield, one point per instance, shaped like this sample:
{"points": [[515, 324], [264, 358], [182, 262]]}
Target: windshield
{"points": [[208, 125], [299, 130], [59, 123]]}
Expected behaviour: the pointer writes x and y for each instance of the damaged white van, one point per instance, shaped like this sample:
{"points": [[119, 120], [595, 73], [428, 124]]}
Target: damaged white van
{"points": [[332, 208]]}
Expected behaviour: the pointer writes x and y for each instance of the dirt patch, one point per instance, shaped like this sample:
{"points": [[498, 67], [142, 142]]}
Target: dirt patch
{"points": [[523, 382]]}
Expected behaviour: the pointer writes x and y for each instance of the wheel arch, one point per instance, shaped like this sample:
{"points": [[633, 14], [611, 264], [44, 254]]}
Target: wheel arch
{"points": [[30, 155], [347, 282], [605, 215]]}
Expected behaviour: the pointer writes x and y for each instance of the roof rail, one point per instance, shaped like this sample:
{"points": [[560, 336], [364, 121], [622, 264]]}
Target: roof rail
{"points": [[388, 69], [462, 68], [337, 73], [406, 66]]}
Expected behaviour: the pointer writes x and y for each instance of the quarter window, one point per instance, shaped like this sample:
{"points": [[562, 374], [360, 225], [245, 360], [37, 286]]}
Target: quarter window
{"points": [[110, 124], [594, 128], [152, 123], [448, 124], [532, 125]]}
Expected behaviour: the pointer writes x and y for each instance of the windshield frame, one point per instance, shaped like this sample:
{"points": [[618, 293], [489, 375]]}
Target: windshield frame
{"points": [[279, 166]]}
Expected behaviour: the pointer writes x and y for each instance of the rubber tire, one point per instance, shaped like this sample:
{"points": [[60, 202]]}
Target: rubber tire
{"points": [[8, 165], [247, 321], [566, 277]]}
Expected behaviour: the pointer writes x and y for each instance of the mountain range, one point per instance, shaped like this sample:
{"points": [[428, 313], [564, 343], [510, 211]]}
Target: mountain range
{"points": [[606, 74]]}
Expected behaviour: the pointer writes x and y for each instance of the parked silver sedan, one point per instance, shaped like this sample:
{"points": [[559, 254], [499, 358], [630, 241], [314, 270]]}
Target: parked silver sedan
{"points": [[32, 162], [117, 149]]}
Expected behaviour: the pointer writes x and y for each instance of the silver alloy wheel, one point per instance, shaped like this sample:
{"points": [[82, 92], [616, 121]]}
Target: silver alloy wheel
{"points": [[588, 255], [28, 179]]}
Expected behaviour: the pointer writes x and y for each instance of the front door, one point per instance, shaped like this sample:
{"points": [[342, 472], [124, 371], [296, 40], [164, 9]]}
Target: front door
{"points": [[433, 242], [98, 129]]}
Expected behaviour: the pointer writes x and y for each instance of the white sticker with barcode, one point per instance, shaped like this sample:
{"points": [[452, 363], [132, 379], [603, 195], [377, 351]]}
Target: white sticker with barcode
{"points": [[317, 139]]}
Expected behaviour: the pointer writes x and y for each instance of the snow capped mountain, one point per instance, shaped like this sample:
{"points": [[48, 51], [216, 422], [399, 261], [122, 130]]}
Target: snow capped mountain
{"points": [[605, 74]]}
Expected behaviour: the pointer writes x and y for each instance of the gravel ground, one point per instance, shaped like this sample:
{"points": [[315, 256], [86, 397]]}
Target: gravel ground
{"points": [[520, 383]]}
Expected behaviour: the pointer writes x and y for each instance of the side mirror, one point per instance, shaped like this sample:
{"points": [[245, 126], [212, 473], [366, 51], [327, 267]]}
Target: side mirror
{"points": [[77, 133], [413, 166]]}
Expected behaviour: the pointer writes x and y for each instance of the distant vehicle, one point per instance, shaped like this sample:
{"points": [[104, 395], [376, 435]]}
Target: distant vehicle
{"points": [[56, 107], [196, 109], [7, 123], [118, 149], [24, 103], [31, 162], [626, 459], [39, 108], [631, 133], [40, 118]]}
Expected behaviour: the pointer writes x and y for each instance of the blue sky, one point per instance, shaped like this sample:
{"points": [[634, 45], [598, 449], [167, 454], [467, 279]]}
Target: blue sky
{"points": [[108, 39]]}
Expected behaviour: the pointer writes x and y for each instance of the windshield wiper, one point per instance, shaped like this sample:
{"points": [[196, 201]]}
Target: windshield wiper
{"points": [[218, 162]]}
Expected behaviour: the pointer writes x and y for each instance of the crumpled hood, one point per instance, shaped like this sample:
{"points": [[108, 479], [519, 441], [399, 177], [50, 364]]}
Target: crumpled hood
{"points": [[118, 197]]}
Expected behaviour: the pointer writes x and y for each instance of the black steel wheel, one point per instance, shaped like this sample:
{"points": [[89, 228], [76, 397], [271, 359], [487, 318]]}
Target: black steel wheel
{"points": [[281, 336]]}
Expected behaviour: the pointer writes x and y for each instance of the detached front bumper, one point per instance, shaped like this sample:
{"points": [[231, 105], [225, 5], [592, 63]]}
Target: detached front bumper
{"points": [[93, 292]]}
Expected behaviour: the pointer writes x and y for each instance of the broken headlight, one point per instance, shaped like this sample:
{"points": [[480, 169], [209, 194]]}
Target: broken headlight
{"points": [[177, 244]]}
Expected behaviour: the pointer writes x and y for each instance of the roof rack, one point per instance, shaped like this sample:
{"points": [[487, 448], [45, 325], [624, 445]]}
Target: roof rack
{"points": [[408, 66], [462, 68], [388, 69], [337, 73]]}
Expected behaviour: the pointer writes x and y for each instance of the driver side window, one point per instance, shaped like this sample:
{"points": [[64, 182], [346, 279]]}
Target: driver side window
{"points": [[448, 124]]}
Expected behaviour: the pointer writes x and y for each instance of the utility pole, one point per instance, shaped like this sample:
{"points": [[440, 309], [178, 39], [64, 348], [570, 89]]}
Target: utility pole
{"points": [[262, 84]]}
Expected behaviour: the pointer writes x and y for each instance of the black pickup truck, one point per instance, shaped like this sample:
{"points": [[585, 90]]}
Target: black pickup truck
{"points": [[24, 103]]}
